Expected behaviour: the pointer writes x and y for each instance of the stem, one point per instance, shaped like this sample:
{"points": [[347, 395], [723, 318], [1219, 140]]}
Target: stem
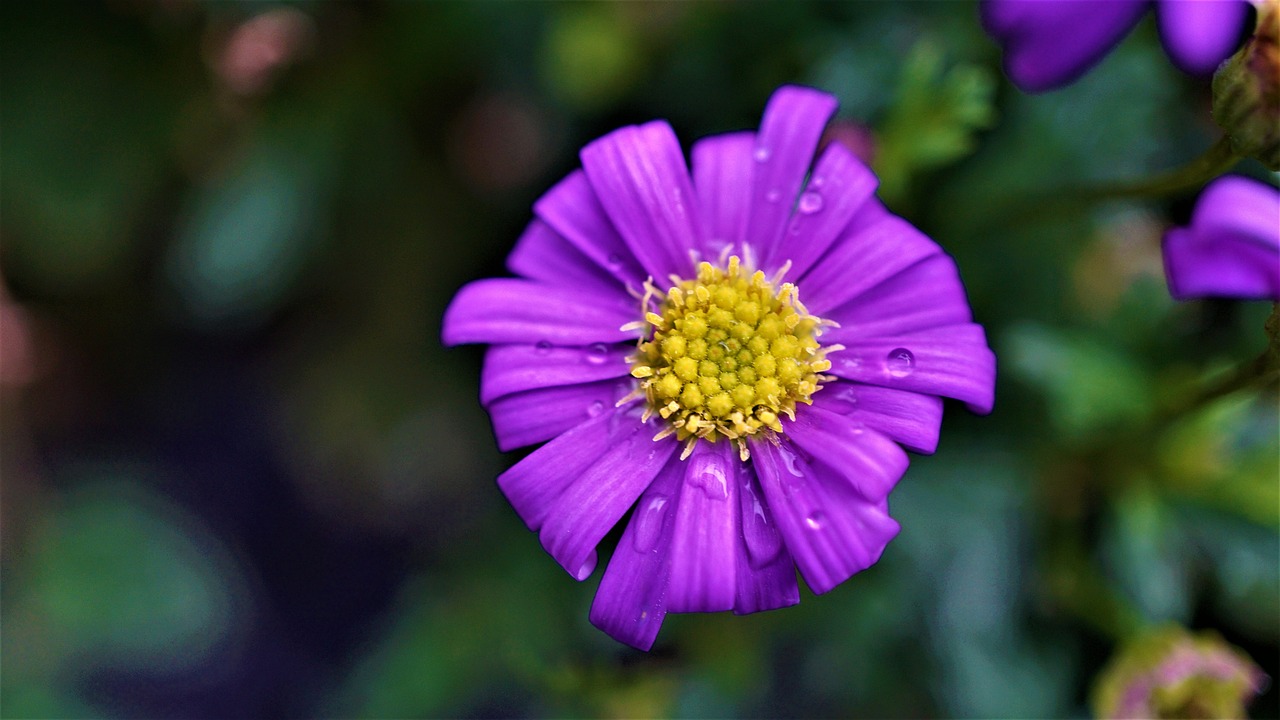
{"points": [[1216, 160], [1260, 371]]}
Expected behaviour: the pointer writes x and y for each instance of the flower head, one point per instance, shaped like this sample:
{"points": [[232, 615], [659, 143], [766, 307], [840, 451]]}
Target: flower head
{"points": [[657, 338], [1170, 673], [1232, 246], [1051, 43]]}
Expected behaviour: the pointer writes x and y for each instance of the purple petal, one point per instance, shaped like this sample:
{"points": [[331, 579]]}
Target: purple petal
{"points": [[631, 601], [596, 499], [534, 416], [952, 361], [830, 530], [909, 418], [704, 544], [507, 310], [862, 259], [869, 461], [1200, 34], [785, 146], [723, 167], [766, 574], [516, 368], [542, 254], [639, 175], [1051, 43], [1232, 248], [572, 210], [924, 295], [534, 485], [839, 187]]}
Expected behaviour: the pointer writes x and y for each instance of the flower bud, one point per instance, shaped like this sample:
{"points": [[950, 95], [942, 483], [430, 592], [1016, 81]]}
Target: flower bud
{"points": [[1246, 91], [1170, 673]]}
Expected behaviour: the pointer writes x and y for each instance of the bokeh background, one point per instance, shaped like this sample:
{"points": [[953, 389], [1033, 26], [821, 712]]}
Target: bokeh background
{"points": [[242, 478]]}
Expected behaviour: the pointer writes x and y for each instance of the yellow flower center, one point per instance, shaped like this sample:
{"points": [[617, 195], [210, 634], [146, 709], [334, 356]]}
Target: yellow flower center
{"points": [[727, 355]]}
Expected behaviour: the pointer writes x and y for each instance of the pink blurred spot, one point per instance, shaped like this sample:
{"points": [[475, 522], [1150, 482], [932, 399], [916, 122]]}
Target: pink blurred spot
{"points": [[855, 137], [261, 46]]}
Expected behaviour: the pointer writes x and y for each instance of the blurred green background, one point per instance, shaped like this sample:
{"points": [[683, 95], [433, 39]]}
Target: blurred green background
{"points": [[242, 478]]}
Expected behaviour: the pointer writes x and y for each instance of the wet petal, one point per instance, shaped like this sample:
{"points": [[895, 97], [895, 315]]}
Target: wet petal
{"points": [[543, 254], [785, 146], [952, 361], [508, 310], [864, 257], [723, 168], [534, 416], [631, 601], [839, 187], [829, 529], [639, 175], [534, 485], [870, 462], [1200, 34], [705, 540], [766, 574], [595, 499], [572, 209], [1050, 43], [910, 418], [516, 368]]}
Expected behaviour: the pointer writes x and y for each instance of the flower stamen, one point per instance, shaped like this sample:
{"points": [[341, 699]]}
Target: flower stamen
{"points": [[728, 354]]}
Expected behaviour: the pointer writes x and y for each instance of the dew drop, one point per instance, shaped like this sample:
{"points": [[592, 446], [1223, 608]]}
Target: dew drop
{"points": [[899, 362], [597, 354], [763, 541], [708, 473], [587, 567], [817, 181], [543, 347], [791, 461], [773, 195], [614, 261], [761, 154], [815, 520], [810, 203], [595, 408], [649, 524]]}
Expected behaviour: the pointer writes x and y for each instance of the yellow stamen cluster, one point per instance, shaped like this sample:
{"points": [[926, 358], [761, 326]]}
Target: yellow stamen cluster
{"points": [[728, 354]]}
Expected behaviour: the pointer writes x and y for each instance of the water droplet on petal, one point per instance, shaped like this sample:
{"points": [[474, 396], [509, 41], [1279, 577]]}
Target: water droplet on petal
{"points": [[761, 154], [587, 567], [614, 261], [649, 524], [817, 181], [791, 461], [595, 408], [597, 353], [815, 521], [899, 362], [773, 195], [763, 541], [810, 203], [543, 347], [709, 473]]}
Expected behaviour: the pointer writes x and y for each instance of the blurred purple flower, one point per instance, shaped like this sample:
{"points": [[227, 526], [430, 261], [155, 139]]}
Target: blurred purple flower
{"points": [[1232, 246], [752, 434], [1051, 43]]}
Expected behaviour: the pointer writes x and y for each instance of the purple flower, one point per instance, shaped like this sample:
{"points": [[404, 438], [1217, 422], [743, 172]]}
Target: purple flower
{"points": [[1051, 43], [656, 337], [1232, 247]]}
